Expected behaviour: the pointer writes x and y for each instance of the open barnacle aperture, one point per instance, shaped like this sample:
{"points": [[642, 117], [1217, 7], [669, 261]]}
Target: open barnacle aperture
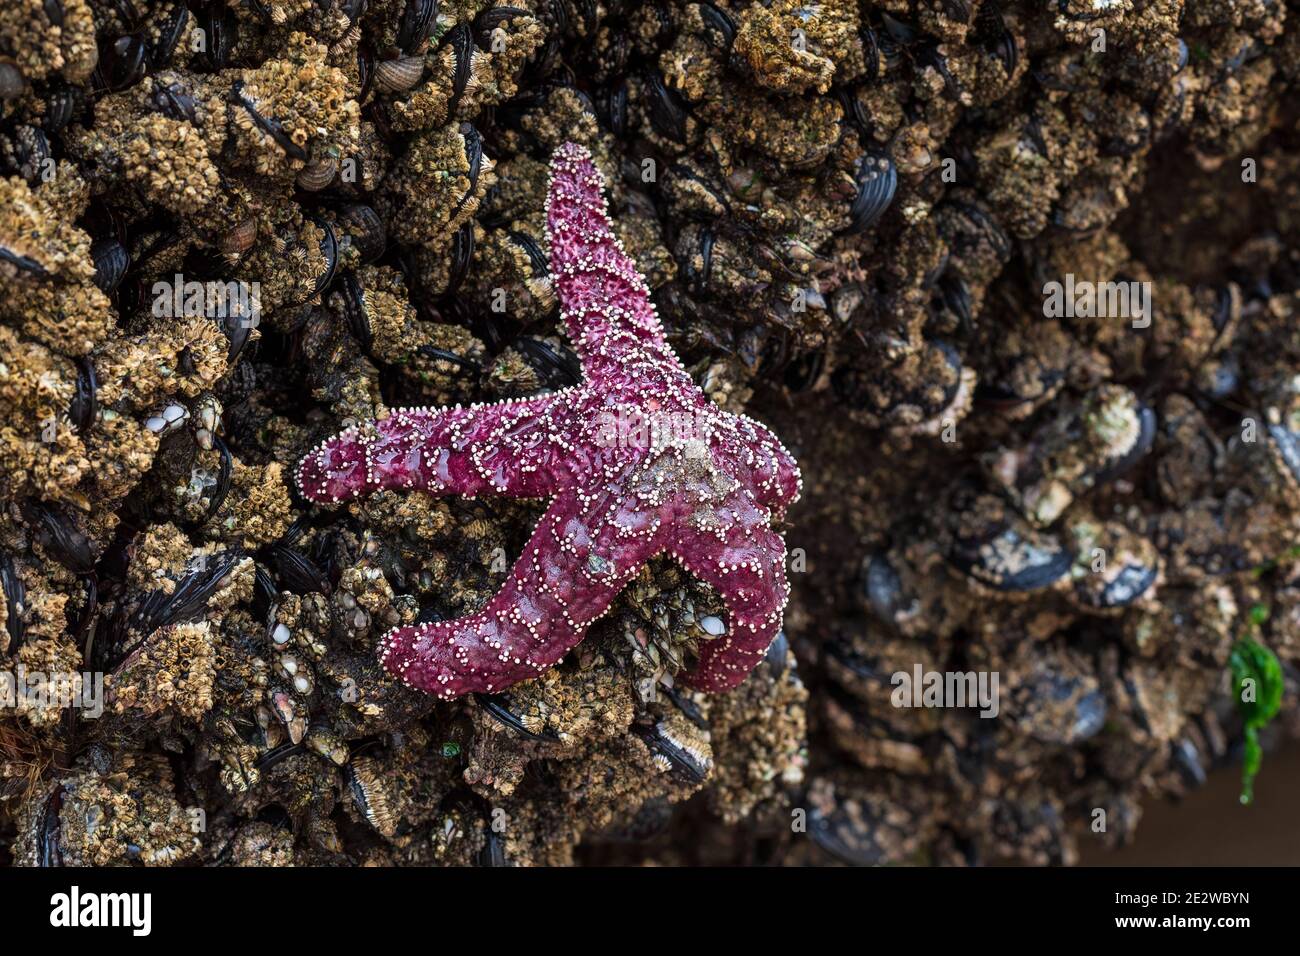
{"points": [[706, 494]]}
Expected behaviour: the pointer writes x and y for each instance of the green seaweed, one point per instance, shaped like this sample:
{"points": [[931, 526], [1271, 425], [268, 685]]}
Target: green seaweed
{"points": [[1271, 564], [1257, 677]]}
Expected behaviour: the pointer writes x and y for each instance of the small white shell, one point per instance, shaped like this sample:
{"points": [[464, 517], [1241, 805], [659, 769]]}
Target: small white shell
{"points": [[713, 625]]}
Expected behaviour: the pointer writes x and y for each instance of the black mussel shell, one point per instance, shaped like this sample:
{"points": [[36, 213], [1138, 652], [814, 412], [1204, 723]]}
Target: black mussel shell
{"points": [[1004, 398], [15, 597], [223, 476], [62, 104], [1137, 451], [24, 264], [499, 707], [1129, 585], [927, 404], [892, 50], [353, 299], [683, 762], [365, 70], [848, 835], [451, 358], [122, 63], [238, 329], [992, 31], [169, 35], [775, 656], [462, 254], [840, 654], [1000, 550], [870, 54], [697, 279], [84, 403], [536, 257], [719, 22], [687, 707], [50, 829], [804, 369], [1072, 711], [1063, 7], [929, 55], [111, 262], [265, 592], [491, 18], [1187, 758], [12, 82], [856, 111], [354, 9], [877, 183], [1017, 559], [558, 369], [417, 20], [461, 40], [1130, 573], [980, 226], [493, 852], [883, 587], [474, 153], [1286, 449], [174, 101], [956, 10], [269, 125], [901, 32], [1005, 49], [60, 537], [611, 108], [954, 295], [298, 574], [366, 231], [278, 755], [329, 247], [188, 599], [26, 153], [668, 111]]}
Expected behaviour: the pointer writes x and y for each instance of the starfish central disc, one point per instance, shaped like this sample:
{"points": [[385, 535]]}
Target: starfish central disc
{"points": [[636, 462]]}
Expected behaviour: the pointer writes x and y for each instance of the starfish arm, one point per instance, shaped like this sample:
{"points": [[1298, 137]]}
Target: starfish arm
{"points": [[767, 470], [566, 578], [508, 448], [745, 564], [606, 302]]}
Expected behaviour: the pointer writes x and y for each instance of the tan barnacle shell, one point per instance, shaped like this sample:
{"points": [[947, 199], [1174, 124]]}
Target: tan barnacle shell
{"points": [[282, 705], [206, 420], [399, 74], [329, 745]]}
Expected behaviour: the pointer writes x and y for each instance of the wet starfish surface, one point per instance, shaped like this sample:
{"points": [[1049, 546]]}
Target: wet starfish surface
{"points": [[637, 462]]}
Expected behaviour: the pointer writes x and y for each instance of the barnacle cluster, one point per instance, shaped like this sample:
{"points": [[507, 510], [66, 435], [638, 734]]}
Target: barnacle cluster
{"points": [[228, 229]]}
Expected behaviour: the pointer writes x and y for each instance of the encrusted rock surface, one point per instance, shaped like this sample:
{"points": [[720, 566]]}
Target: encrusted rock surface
{"points": [[231, 230]]}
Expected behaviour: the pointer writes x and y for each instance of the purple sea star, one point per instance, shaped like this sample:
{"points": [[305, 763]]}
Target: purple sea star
{"points": [[637, 462]]}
